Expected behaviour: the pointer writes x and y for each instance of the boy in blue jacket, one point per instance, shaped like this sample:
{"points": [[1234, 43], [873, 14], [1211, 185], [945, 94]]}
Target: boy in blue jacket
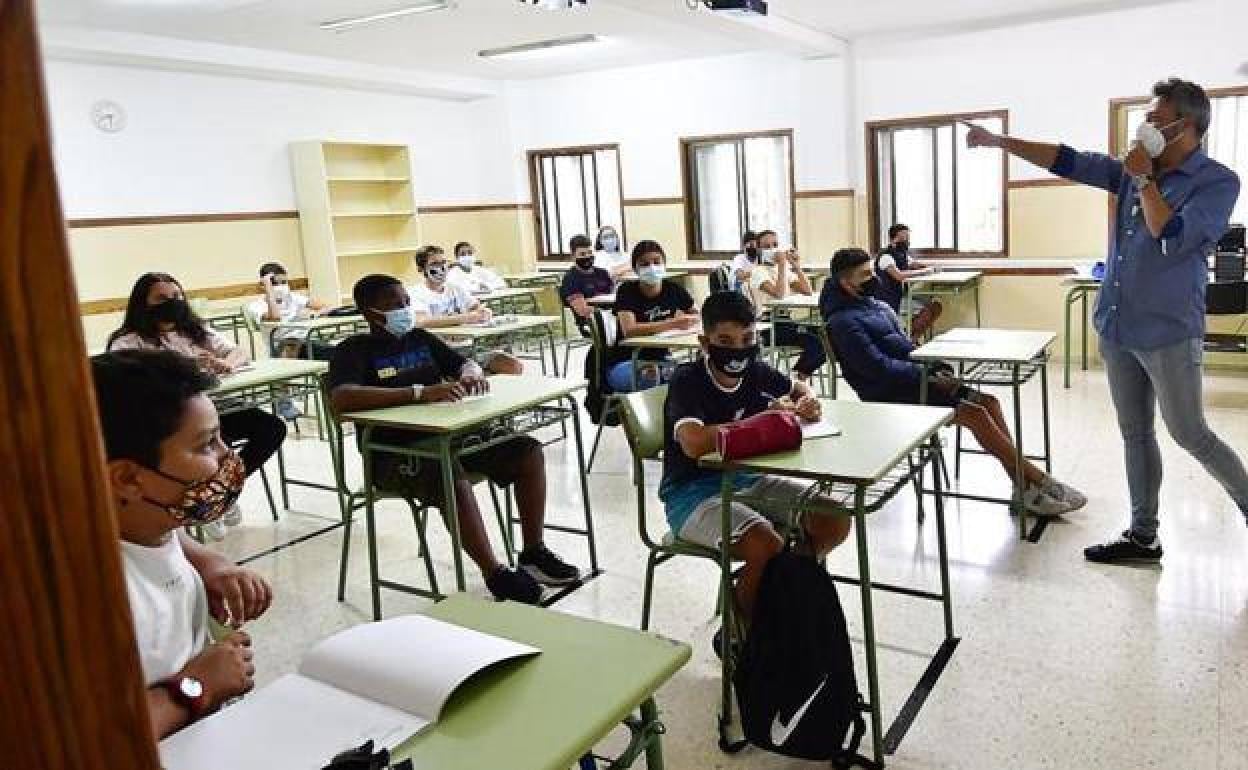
{"points": [[874, 354]]}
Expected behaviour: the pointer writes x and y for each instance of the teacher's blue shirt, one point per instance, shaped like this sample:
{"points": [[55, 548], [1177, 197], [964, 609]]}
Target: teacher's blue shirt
{"points": [[1153, 294]]}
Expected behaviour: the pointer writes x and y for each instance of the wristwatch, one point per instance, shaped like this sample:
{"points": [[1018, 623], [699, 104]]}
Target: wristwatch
{"points": [[1142, 180], [417, 392], [188, 692]]}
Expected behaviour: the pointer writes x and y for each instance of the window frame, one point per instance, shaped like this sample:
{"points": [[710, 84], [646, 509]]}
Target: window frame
{"points": [[930, 121], [533, 161], [689, 188]]}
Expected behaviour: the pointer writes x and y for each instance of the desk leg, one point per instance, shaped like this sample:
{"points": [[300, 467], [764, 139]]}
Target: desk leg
{"points": [[1070, 300], [868, 625], [370, 522], [450, 508], [941, 543], [979, 321], [554, 351], [650, 723], [580, 466], [1044, 413], [1083, 335], [281, 453], [1019, 481]]}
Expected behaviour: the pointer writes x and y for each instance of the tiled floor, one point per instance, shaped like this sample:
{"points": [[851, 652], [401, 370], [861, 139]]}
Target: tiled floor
{"points": [[1062, 664]]}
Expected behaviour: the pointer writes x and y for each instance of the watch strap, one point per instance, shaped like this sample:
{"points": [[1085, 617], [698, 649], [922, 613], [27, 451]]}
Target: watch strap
{"points": [[196, 705]]}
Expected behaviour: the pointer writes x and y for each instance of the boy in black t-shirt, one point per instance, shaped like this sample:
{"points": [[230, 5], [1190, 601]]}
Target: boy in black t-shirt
{"points": [[397, 363], [727, 384], [650, 305], [583, 282]]}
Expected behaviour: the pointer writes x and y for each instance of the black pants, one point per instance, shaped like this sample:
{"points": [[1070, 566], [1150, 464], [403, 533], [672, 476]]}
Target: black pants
{"points": [[787, 334], [262, 432]]}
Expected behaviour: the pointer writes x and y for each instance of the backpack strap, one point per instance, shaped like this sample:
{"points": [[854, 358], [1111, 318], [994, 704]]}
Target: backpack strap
{"points": [[849, 756]]}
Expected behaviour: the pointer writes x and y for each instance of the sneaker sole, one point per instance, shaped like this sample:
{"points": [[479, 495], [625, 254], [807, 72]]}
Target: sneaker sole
{"points": [[1125, 560], [547, 580]]}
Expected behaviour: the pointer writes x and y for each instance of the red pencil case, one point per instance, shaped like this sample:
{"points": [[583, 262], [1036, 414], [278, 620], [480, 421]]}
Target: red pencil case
{"points": [[762, 434]]}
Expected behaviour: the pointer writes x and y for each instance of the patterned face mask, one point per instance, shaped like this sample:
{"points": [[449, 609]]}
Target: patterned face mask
{"points": [[206, 500]]}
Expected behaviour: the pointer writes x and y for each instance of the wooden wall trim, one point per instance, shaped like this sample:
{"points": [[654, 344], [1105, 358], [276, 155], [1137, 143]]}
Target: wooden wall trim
{"points": [[672, 201], [457, 208], [1025, 184], [807, 194], [118, 304], [73, 694], [180, 219]]}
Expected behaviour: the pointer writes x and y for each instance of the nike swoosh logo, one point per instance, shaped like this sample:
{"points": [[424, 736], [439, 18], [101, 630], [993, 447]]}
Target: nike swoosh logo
{"points": [[780, 732]]}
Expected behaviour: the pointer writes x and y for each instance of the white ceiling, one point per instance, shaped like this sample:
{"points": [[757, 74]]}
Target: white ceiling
{"points": [[636, 31]]}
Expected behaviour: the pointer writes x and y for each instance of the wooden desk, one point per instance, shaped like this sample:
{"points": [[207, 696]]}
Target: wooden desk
{"points": [[860, 468], [548, 713], [1000, 357], [435, 427]]}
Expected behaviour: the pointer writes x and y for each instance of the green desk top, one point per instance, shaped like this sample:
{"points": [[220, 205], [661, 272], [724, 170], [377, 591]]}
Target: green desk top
{"points": [[946, 278], [508, 395], [969, 344], [548, 277], [268, 371], [321, 322], [874, 438], [796, 302], [520, 324], [687, 341], [1083, 281], [509, 293], [602, 300], [546, 712]]}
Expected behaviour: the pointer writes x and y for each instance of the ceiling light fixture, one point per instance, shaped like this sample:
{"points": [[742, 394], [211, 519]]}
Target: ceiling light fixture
{"points": [[539, 46], [341, 25]]}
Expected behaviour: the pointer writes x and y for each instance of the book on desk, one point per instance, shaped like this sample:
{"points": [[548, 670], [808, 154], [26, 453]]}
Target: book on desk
{"points": [[383, 681]]}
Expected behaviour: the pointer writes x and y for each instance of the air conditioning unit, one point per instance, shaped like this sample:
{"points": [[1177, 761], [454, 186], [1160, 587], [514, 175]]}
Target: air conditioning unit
{"points": [[739, 7]]}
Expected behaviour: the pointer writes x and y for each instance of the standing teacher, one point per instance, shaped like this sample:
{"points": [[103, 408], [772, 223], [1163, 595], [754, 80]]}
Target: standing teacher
{"points": [[1173, 206]]}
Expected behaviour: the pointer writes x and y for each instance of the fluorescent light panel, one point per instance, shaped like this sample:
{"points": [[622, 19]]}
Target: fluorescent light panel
{"points": [[539, 46], [338, 25]]}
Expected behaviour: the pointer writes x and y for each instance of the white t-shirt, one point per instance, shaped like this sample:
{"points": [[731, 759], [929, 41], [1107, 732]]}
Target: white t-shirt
{"points": [[481, 279], [452, 300], [612, 260], [886, 261], [168, 606], [290, 307]]}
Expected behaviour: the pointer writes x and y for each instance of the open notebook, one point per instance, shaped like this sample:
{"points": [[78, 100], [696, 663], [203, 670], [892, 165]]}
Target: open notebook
{"points": [[382, 681]]}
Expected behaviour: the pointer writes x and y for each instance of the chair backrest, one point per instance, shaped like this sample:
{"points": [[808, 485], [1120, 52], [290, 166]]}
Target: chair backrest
{"points": [[1228, 298], [642, 417], [334, 435], [720, 279], [604, 332]]}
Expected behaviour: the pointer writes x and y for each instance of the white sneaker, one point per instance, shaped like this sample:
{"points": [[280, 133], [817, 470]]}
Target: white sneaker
{"points": [[1038, 503], [214, 531], [234, 516], [1063, 493]]}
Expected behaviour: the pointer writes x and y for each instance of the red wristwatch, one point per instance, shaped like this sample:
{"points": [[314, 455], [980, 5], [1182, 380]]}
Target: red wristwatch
{"points": [[189, 693]]}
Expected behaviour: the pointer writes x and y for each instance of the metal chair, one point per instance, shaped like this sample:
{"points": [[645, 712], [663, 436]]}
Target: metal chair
{"points": [[1227, 298], [603, 333]]}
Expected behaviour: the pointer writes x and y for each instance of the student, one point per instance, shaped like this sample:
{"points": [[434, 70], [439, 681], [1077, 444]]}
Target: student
{"points": [[649, 305], [609, 254], [775, 274], [874, 355], [399, 363], [730, 383], [468, 274], [159, 317], [168, 467], [280, 304], [583, 282], [743, 263], [894, 266], [439, 303]]}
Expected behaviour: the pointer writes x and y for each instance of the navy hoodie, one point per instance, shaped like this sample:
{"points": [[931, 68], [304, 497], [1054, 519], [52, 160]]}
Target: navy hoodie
{"points": [[871, 348]]}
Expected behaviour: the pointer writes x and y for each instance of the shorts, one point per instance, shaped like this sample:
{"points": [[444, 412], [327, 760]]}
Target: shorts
{"points": [[703, 526], [421, 477]]}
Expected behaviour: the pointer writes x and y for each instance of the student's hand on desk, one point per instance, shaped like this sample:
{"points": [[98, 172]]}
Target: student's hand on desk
{"points": [[211, 363], [687, 321], [236, 595], [808, 408], [224, 668], [474, 386], [446, 391]]}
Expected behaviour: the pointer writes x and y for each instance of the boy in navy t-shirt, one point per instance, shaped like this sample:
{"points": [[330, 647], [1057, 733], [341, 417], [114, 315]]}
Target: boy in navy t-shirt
{"points": [[583, 282], [726, 384]]}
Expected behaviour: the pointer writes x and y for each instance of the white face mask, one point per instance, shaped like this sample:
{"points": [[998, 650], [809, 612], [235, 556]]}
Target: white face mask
{"points": [[467, 261], [1153, 139], [769, 256], [281, 291], [610, 242]]}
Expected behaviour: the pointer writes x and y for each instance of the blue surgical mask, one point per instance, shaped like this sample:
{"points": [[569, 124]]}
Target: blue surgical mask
{"points": [[651, 274], [399, 321], [610, 243]]}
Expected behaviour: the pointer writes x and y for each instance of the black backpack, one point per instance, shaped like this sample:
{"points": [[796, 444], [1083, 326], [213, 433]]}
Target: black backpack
{"points": [[795, 676], [602, 329]]}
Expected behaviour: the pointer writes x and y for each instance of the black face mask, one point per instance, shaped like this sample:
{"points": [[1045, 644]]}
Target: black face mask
{"points": [[903, 246], [585, 263], [175, 311], [732, 361], [752, 252]]}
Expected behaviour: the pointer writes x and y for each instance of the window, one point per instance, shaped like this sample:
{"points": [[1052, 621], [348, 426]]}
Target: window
{"points": [[923, 175], [1226, 142], [576, 190], [736, 183]]}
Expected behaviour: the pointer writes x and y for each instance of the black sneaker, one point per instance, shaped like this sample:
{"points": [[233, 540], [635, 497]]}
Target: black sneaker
{"points": [[515, 585], [547, 568], [1127, 549]]}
